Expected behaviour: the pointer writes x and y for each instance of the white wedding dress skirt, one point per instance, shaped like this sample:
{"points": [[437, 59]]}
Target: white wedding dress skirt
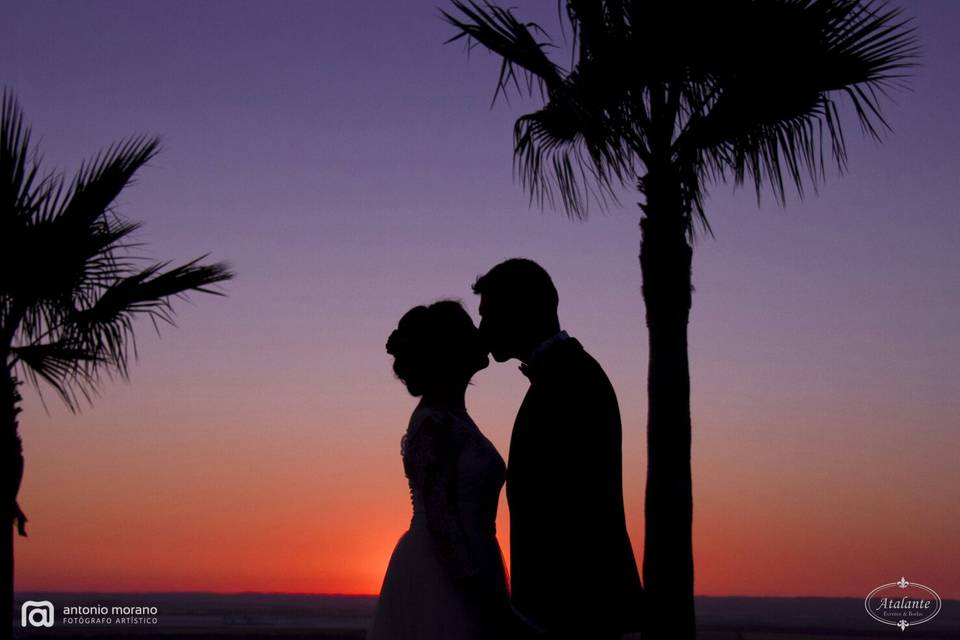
{"points": [[455, 476]]}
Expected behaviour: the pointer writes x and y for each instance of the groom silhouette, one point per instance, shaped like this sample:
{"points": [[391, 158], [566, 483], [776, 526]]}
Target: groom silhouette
{"points": [[572, 569]]}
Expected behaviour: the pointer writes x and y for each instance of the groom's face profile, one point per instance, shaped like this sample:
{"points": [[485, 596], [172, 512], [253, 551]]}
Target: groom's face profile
{"points": [[496, 328]]}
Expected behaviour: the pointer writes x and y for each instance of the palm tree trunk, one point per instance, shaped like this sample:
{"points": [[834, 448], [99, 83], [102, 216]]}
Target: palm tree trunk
{"points": [[11, 460], [665, 262]]}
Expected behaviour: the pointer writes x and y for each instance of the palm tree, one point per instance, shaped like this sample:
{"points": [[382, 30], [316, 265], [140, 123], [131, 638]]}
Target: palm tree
{"points": [[669, 97], [69, 288]]}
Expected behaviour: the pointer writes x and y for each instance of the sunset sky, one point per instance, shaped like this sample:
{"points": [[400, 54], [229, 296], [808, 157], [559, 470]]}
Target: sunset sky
{"points": [[349, 166]]}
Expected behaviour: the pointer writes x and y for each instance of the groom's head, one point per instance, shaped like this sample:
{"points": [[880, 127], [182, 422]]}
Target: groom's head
{"points": [[518, 308]]}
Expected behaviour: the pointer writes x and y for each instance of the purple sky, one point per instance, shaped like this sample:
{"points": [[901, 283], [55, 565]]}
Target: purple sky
{"points": [[348, 165]]}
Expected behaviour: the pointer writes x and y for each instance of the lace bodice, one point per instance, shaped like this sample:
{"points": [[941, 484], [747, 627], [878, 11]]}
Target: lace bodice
{"points": [[455, 476]]}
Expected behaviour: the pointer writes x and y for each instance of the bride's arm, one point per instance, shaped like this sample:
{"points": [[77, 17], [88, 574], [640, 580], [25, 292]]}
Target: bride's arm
{"points": [[434, 450]]}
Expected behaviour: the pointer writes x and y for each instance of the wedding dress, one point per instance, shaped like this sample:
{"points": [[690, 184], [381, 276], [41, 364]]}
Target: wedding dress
{"points": [[446, 577]]}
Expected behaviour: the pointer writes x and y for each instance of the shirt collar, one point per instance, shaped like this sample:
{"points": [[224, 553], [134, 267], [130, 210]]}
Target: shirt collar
{"points": [[537, 353]]}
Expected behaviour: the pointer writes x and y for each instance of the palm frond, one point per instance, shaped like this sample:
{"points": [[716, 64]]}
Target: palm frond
{"points": [[100, 181], [78, 226], [70, 286], [516, 42], [563, 151], [70, 370], [18, 171], [106, 327], [695, 90], [574, 148], [57, 266], [773, 113]]}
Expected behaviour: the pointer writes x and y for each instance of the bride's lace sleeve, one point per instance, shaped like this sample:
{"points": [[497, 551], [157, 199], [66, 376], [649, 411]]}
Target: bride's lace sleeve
{"points": [[430, 452]]}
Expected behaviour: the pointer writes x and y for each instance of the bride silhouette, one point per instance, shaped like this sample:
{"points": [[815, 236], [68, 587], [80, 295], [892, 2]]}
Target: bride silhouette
{"points": [[446, 577]]}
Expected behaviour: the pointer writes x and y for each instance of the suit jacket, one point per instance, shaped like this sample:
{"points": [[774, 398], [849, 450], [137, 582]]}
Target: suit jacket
{"points": [[572, 568]]}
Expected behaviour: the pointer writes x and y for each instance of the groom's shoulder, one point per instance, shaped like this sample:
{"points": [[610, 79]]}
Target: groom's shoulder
{"points": [[574, 363], [577, 385]]}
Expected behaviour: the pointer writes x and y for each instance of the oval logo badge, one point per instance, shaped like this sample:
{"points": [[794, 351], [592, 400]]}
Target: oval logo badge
{"points": [[903, 604]]}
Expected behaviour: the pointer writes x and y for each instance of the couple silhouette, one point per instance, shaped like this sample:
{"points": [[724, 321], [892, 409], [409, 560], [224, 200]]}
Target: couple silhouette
{"points": [[572, 570]]}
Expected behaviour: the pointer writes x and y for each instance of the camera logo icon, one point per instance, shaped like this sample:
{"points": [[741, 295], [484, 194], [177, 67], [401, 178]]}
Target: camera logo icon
{"points": [[36, 614]]}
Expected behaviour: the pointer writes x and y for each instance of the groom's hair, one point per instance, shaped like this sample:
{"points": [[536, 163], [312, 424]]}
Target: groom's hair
{"points": [[521, 283]]}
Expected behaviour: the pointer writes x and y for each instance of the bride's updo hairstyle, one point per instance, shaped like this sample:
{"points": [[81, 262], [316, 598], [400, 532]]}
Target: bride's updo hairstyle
{"points": [[436, 344]]}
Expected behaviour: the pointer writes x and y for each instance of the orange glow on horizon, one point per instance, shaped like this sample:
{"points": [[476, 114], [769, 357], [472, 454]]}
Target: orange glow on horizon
{"points": [[249, 525]]}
